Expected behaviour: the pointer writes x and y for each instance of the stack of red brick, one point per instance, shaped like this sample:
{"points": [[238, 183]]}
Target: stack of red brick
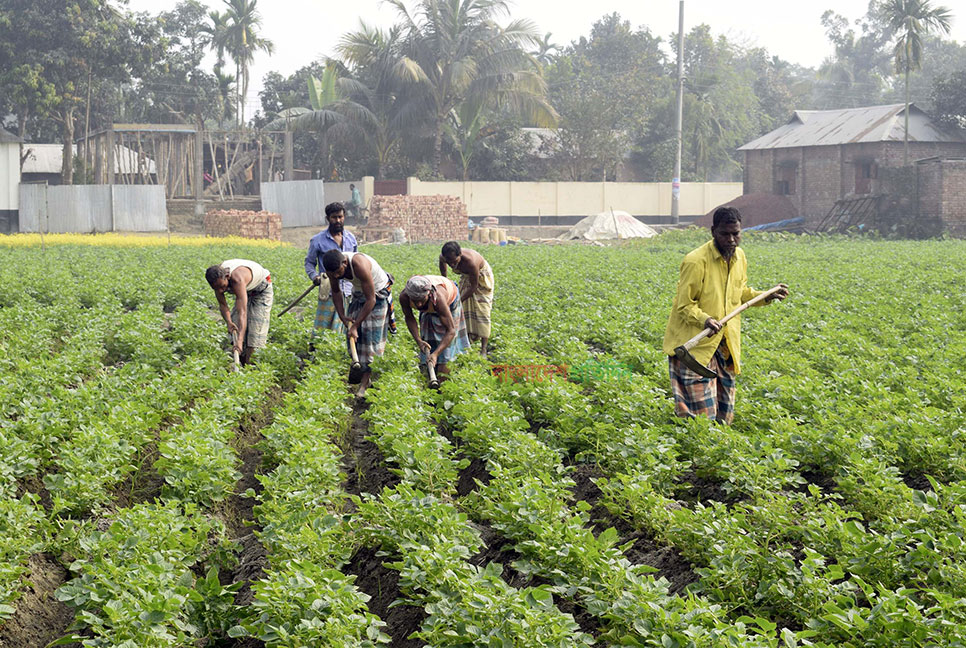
{"points": [[423, 218], [247, 224]]}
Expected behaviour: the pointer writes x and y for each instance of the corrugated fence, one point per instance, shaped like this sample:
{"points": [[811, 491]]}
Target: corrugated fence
{"points": [[301, 203], [87, 209]]}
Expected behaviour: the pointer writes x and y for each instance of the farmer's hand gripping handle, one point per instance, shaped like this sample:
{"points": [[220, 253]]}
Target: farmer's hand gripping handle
{"points": [[690, 344]]}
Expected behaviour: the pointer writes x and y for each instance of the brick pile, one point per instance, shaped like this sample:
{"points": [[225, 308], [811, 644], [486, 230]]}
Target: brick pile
{"points": [[246, 224], [423, 218]]}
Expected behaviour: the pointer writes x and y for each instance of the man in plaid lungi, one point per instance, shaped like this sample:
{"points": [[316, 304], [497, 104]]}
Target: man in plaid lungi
{"points": [[367, 318], [248, 320], [713, 282], [440, 333]]}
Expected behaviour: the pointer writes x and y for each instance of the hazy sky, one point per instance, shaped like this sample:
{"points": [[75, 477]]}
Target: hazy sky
{"points": [[304, 30]]}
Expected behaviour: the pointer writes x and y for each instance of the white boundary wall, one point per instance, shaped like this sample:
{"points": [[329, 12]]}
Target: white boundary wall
{"points": [[579, 198]]}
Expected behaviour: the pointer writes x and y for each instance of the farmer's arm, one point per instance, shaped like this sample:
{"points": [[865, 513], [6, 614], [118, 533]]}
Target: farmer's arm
{"points": [[225, 311], [748, 293], [446, 317], [411, 323], [241, 305], [442, 265], [336, 293], [690, 285], [362, 269], [473, 279], [311, 262]]}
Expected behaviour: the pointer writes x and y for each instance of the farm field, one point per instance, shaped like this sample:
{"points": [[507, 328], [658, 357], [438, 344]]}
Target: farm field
{"points": [[151, 497]]}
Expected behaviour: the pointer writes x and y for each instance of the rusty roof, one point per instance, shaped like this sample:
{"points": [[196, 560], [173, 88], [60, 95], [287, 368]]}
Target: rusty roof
{"points": [[852, 126]]}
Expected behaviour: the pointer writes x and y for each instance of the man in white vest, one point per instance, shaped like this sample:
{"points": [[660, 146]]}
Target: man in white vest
{"points": [[251, 284]]}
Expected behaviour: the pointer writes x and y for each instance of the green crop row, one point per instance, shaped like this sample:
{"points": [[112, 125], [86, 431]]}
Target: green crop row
{"points": [[134, 585], [527, 500], [416, 520], [197, 461]]}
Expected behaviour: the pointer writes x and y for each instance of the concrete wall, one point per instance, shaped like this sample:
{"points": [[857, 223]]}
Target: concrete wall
{"points": [[339, 191], [578, 198]]}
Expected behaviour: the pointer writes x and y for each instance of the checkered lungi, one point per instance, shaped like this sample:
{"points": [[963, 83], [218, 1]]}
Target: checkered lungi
{"points": [[695, 395], [480, 304], [432, 330], [326, 317], [372, 330], [260, 299]]}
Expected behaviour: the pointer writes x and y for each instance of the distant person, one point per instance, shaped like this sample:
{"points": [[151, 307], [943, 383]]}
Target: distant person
{"points": [[354, 205], [334, 237], [367, 319], [713, 282], [476, 288], [440, 333], [250, 179], [251, 284]]}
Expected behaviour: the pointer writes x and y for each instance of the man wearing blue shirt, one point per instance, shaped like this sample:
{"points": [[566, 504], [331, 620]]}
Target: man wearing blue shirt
{"points": [[333, 238]]}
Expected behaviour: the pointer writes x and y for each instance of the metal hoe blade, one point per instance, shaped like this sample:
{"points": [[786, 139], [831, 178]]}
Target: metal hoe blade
{"points": [[689, 361]]}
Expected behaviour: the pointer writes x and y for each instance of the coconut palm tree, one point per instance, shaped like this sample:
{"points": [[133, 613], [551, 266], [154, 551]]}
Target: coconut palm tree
{"points": [[545, 50], [373, 59], [330, 113], [911, 21], [216, 36], [454, 51], [242, 42]]}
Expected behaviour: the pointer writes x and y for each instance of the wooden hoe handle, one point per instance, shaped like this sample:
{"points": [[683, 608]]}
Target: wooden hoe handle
{"points": [[751, 302]]}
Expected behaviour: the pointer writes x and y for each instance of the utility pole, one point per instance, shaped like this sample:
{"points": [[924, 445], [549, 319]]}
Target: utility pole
{"points": [[676, 181]]}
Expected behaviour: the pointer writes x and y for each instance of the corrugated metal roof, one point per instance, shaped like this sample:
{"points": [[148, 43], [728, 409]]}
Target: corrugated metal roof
{"points": [[47, 158], [852, 126]]}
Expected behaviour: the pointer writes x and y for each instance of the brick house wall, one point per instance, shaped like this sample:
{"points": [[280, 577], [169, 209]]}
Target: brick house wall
{"points": [[942, 194], [825, 174], [246, 224], [423, 218]]}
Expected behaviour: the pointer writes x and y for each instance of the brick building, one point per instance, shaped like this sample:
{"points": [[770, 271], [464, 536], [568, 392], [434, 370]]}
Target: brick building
{"points": [[821, 156]]}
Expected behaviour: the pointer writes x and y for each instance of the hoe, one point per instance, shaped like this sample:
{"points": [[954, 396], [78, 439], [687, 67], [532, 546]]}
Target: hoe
{"points": [[355, 370], [683, 352]]}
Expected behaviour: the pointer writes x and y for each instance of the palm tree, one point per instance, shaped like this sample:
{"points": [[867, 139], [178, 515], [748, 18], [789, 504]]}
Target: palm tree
{"points": [[330, 113], [242, 42], [373, 59], [911, 21], [216, 36], [455, 52], [544, 52]]}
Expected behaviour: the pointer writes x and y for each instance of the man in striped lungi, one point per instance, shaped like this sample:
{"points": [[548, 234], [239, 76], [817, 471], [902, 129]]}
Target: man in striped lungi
{"points": [[476, 288]]}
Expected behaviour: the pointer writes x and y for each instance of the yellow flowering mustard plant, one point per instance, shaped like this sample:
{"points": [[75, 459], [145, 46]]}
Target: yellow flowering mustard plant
{"points": [[114, 239]]}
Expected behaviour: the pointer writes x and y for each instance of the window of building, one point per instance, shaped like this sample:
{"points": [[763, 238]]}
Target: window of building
{"points": [[865, 172], [785, 182]]}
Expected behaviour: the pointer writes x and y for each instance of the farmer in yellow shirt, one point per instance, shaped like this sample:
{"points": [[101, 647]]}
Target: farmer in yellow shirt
{"points": [[713, 282]]}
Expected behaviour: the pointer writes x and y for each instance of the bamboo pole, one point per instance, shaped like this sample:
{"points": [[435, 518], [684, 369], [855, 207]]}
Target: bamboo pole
{"points": [[231, 192]]}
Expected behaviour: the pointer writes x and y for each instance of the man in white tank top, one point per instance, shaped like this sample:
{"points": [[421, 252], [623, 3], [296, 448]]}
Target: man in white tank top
{"points": [[251, 284], [367, 318]]}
